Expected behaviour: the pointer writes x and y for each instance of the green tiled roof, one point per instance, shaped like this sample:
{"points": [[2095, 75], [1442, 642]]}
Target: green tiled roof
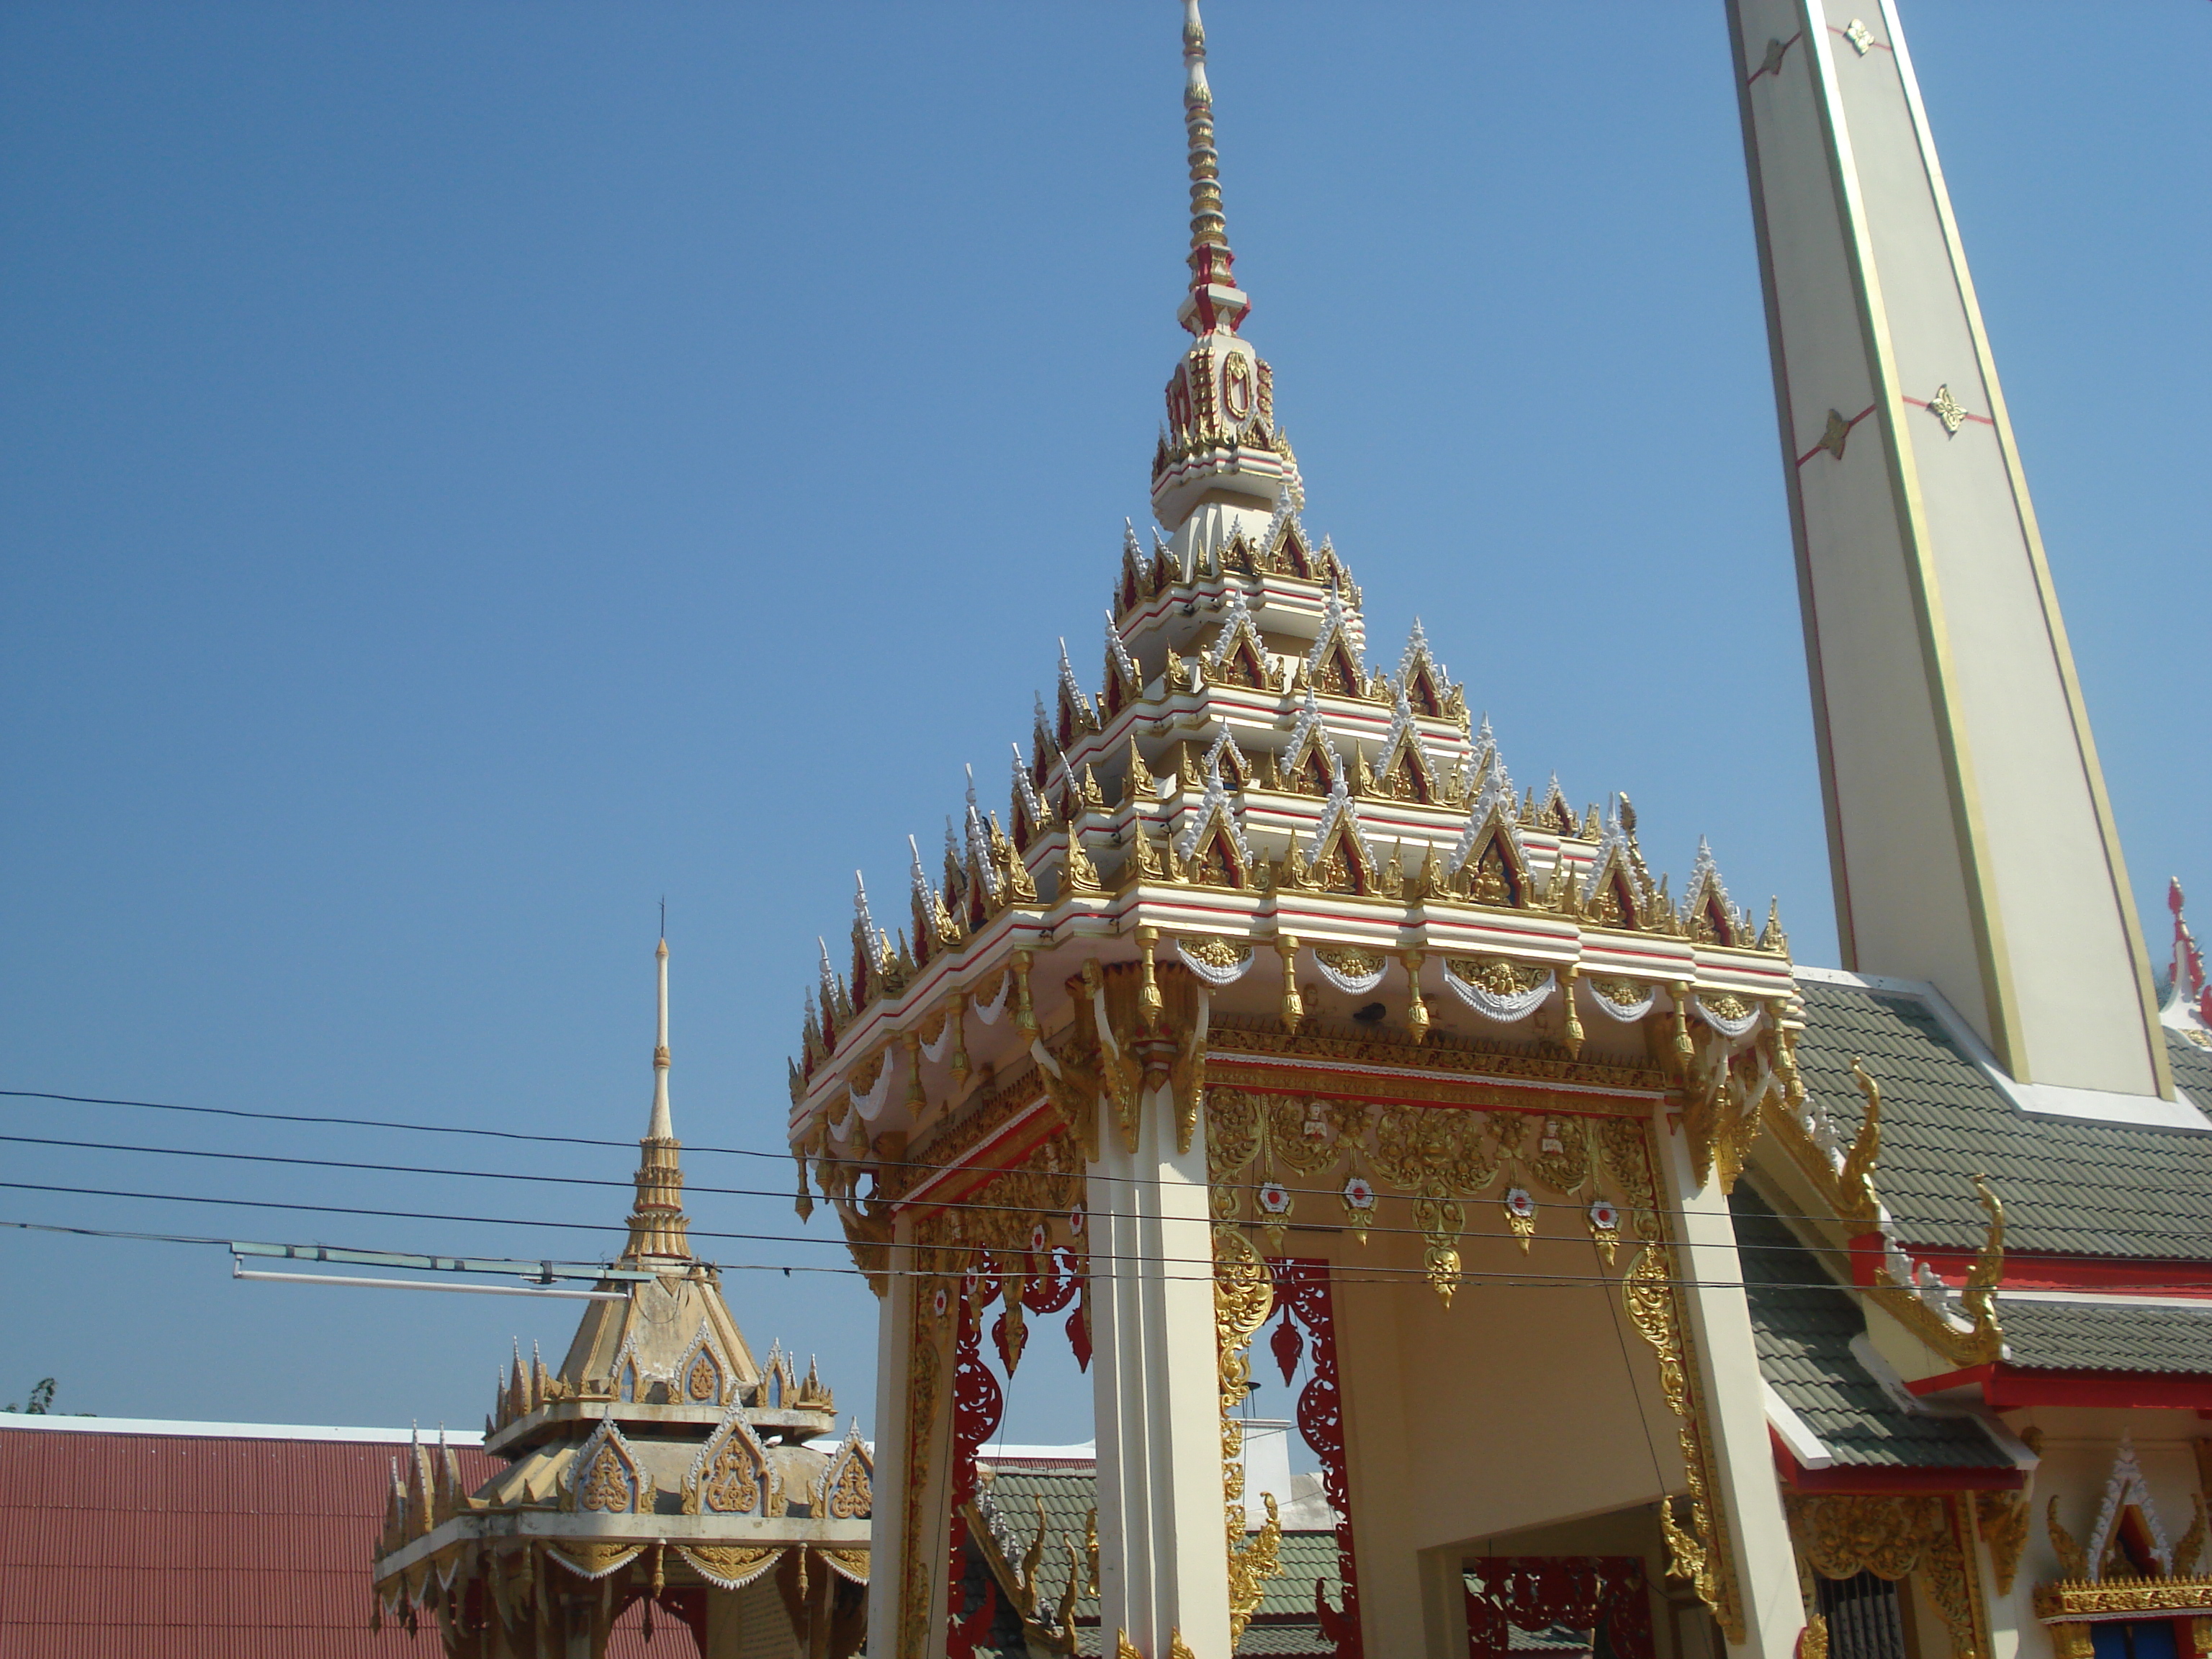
{"points": [[1802, 1324], [2075, 1187], [2100, 1336], [1284, 1625]]}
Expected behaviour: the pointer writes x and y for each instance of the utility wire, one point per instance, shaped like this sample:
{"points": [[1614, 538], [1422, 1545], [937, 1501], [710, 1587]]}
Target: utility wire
{"points": [[1349, 1273], [689, 1187], [1415, 1278], [2153, 1234]]}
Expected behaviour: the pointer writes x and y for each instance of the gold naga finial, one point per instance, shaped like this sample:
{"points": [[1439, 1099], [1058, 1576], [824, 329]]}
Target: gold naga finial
{"points": [[1213, 292], [1980, 1296], [1856, 1179], [2073, 1560]]}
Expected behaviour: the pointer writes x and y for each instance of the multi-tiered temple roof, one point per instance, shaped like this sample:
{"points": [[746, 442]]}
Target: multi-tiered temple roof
{"points": [[660, 1463], [1251, 783]]}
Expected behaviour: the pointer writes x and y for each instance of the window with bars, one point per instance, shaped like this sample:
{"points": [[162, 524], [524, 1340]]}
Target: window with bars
{"points": [[1864, 1619]]}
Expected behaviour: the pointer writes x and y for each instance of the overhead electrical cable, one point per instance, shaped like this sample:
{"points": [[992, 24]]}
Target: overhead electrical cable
{"points": [[1414, 1277], [2154, 1234]]}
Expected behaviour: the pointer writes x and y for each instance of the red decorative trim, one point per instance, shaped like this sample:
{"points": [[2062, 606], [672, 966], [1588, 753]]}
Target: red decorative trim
{"points": [[1868, 1250], [1798, 1478], [1302, 1291], [977, 1404], [1505, 1593], [2027, 1271], [2008, 1387], [1029, 1129]]}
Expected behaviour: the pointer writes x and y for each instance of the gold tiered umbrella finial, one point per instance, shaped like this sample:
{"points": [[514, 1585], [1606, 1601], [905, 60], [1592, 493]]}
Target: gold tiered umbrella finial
{"points": [[1214, 298], [657, 1221]]}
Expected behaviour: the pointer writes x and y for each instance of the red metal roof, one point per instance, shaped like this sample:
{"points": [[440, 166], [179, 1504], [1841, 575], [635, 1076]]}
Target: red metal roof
{"points": [[132, 1544]]}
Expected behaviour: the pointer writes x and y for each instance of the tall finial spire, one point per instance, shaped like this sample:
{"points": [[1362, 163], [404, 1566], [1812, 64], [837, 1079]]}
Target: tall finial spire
{"points": [[661, 1129], [657, 1221], [1215, 300], [1222, 452]]}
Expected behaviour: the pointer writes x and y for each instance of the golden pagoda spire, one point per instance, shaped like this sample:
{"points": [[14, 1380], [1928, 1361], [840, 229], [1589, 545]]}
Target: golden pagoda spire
{"points": [[657, 1221], [1215, 300]]}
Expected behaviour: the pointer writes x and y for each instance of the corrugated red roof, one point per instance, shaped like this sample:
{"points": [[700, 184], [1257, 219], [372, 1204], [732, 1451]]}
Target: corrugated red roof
{"points": [[201, 1545]]}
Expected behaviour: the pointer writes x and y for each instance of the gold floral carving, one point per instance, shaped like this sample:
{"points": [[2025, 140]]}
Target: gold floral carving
{"points": [[1437, 1159], [1243, 1297], [588, 1559], [733, 1486], [2003, 1518], [1349, 960], [850, 1497], [1443, 1053], [1216, 952], [915, 1553], [609, 1485], [1496, 974], [729, 1565], [2109, 1597], [1698, 1551], [2192, 1546], [1895, 1536]]}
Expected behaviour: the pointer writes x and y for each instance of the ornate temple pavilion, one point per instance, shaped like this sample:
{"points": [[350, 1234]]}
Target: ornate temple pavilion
{"points": [[1642, 1290], [661, 1464]]}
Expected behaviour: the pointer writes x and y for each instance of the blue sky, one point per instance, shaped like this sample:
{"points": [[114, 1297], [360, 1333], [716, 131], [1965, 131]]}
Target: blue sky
{"points": [[466, 472]]}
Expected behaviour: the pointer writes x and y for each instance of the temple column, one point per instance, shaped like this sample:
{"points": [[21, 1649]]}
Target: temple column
{"points": [[1163, 1562], [907, 1570], [1746, 1495]]}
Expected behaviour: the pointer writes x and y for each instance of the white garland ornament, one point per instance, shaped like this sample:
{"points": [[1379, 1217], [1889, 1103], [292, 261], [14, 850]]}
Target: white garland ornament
{"points": [[869, 1104], [989, 1012], [1213, 973], [1730, 1028], [1628, 1014], [1502, 1009], [1354, 984]]}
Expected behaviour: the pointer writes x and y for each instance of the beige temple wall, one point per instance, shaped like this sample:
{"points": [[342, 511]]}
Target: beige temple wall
{"points": [[1525, 1406], [2077, 1450], [1517, 1407]]}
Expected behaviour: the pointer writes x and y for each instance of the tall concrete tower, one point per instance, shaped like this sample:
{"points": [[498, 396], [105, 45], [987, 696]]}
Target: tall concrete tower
{"points": [[1971, 841]]}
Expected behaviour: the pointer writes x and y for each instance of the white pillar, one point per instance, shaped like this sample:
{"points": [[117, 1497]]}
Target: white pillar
{"points": [[1748, 1497], [887, 1543], [1163, 1564]]}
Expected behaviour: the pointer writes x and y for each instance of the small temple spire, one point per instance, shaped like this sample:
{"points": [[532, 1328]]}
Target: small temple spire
{"points": [[657, 1222], [661, 1129], [1222, 449], [1215, 300]]}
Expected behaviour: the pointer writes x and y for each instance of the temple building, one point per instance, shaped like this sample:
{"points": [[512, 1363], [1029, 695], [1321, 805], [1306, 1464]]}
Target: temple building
{"points": [[1641, 1291], [662, 1464]]}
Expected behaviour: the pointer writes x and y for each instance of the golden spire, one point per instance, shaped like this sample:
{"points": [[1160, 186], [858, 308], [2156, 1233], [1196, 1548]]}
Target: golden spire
{"points": [[1215, 301], [657, 1221]]}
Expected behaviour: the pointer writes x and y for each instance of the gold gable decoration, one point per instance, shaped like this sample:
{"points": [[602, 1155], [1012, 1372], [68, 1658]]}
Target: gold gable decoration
{"points": [[1895, 1537]]}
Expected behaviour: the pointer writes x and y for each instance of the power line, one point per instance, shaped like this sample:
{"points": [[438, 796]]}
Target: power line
{"points": [[2155, 1235], [1416, 1278], [689, 1187], [1349, 1273]]}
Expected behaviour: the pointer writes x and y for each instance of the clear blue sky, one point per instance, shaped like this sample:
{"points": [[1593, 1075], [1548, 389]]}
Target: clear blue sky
{"points": [[468, 470]]}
